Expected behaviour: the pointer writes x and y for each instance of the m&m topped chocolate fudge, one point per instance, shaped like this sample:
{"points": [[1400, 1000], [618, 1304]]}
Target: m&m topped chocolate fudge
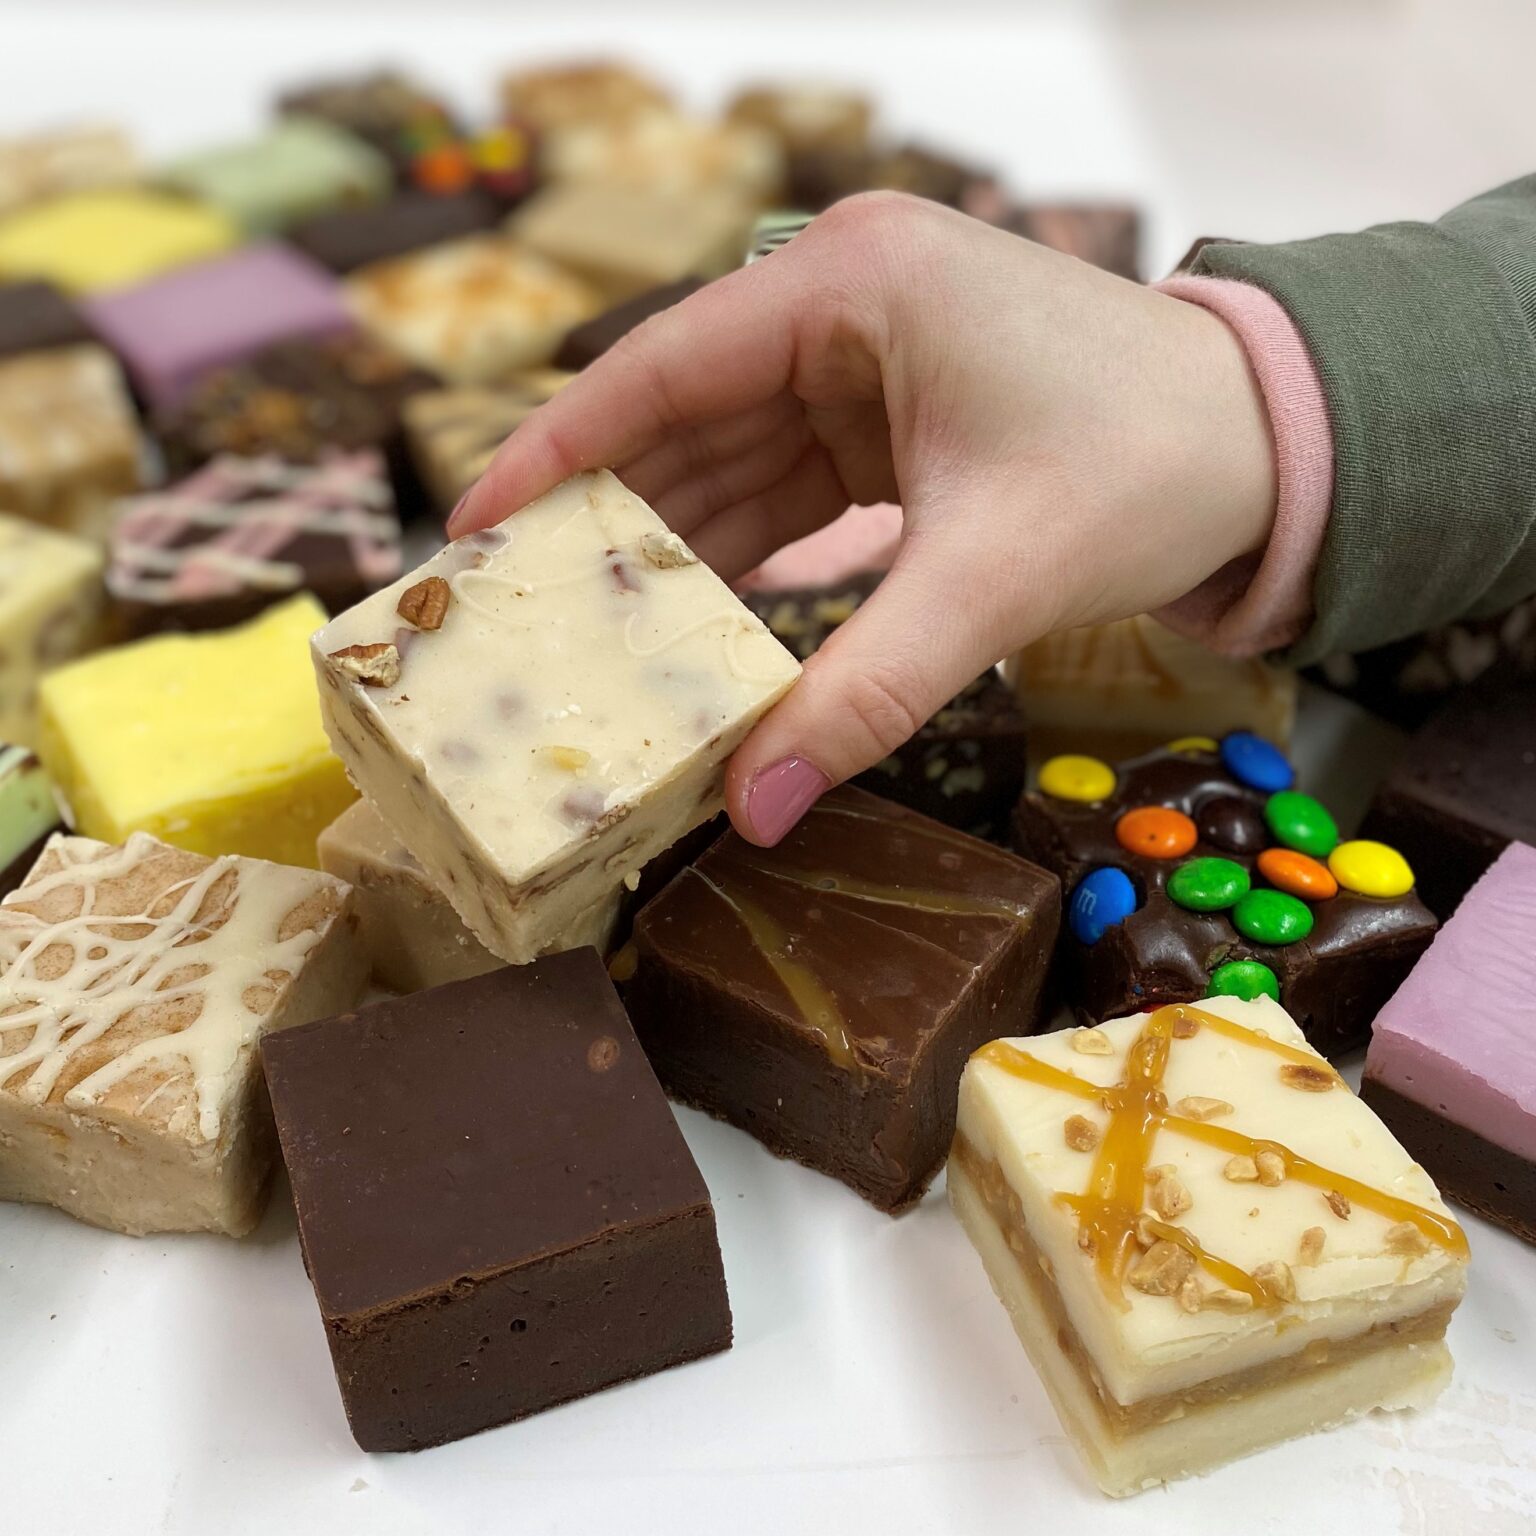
{"points": [[1200, 870]]}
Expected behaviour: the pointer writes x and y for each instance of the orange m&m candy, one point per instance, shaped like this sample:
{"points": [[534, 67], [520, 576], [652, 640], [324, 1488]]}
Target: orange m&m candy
{"points": [[1156, 832], [1297, 874]]}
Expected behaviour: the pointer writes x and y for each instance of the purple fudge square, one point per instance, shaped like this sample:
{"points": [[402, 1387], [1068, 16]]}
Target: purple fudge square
{"points": [[171, 331]]}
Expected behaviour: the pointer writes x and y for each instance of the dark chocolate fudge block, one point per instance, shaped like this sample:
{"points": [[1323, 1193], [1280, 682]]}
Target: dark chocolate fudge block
{"points": [[240, 534], [965, 767], [35, 317], [824, 994], [1199, 871], [348, 238], [496, 1207], [588, 342], [1464, 788], [1106, 235]]}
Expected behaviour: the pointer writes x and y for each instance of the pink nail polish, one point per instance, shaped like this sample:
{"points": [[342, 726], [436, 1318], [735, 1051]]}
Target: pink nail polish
{"points": [[781, 794]]}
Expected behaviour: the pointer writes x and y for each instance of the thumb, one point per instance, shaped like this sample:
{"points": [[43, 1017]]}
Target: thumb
{"points": [[912, 646]]}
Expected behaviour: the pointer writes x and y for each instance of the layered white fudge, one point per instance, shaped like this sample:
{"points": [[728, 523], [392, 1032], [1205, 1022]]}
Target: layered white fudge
{"points": [[545, 705], [135, 982], [1206, 1242], [413, 936]]}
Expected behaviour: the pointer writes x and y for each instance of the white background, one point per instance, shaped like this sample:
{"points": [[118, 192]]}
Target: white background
{"points": [[182, 1385]]}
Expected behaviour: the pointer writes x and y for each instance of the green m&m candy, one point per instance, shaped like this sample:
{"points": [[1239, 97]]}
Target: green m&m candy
{"points": [[1272, 917], [1245, 979], [1302, 823], [1208, 885]]}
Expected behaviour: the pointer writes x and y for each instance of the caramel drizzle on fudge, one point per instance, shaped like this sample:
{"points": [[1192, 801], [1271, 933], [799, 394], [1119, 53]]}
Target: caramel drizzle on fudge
{"points": [[1112, 1221]]}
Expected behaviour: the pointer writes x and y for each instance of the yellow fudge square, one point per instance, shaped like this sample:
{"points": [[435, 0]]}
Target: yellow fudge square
{"points": [[210, 742], [113, 238]]}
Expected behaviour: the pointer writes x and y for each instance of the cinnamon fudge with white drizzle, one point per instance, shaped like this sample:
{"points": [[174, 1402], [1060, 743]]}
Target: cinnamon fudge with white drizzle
{"points": [[135, 983], [1206, 1242], [547, 704]]}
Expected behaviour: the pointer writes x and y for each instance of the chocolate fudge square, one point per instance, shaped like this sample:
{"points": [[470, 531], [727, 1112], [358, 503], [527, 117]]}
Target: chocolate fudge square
{"points": [[37, 316], [823, 995], [345, 239], [496, 1207], [1465, 788], [588, 342]]}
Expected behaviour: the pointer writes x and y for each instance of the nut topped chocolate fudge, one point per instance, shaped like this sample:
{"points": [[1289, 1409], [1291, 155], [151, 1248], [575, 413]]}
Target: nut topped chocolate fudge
{"points": [[823, 994], [546, 705], [1198, 871], [1206, 1243]]}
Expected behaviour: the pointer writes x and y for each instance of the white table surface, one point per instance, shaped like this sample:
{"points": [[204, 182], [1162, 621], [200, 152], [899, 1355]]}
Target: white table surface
{"points": [[182, 1385]]}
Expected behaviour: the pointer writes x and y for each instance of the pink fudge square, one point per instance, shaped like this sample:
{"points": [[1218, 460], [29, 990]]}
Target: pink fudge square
{"points": [[173, 330], [862, 539]]}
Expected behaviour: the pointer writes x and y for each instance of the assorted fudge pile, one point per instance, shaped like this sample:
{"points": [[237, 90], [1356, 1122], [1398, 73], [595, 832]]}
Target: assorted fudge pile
{"points": [[273, 749]]}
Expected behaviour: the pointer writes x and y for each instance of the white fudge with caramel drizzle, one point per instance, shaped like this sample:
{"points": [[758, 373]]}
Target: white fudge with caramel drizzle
{"points": [[135, 982], [1206, 1242], [546, 705]]}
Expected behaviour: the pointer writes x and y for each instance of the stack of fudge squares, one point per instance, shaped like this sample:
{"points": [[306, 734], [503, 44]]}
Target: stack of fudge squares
{"points": [[325, 841]]}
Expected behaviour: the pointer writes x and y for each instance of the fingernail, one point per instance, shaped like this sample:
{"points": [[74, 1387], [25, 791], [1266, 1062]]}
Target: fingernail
{"points": [[781, 794], [453, 516]]}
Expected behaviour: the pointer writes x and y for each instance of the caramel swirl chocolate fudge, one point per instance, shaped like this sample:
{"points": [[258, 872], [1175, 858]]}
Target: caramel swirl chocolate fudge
{"points": [[29, 814], [241, 534], [496, 1207], [1452, 1063], [1206, 1243], [135, 983], [823, 994], [545, 705], [1198, 871]]}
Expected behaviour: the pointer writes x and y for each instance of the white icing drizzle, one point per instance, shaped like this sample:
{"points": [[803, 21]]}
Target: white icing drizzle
{"points": [[69, 1014]]}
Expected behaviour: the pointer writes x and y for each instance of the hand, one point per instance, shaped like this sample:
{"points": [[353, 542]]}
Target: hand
{"points": [[1067, 448]]}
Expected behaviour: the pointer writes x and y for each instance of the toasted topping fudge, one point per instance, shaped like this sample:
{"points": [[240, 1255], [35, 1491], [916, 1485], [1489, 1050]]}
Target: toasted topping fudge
{"points": [[824, 994], [348, 238], [36, 317], [237, 762], [1199, 870], [1117, 690], [46, 165], [806, 118], [473, 310], [69, 441], [1452, 1063], [588, 342], [569, 95], [29, 814], [497, 1209], [241, 534], [1464, 787], [564, 714], [51, 602], [1206, 1242], [135, 983]]}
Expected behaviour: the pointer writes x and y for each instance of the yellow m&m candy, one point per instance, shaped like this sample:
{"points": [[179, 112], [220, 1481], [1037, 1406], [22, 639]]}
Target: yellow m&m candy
{"points": [[1193, 744], [1071, 777], [1370, 869]]}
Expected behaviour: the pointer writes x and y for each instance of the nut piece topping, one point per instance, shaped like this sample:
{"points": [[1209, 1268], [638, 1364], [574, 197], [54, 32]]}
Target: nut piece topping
{"points": [[1190, 1295], [1092, 1042], [1312, 1241], [666, 551], [1082, 1135], [1271, 1167], [1229, 1301], [1162, 1269], [1307, 1078], [1404, 1238], [1338, 1204], [1185, 1028], [1240, 1169], [1275, 1278], [572, 759], [1197, 1107], [374, 666], [425, 604], [1170, 1198]]}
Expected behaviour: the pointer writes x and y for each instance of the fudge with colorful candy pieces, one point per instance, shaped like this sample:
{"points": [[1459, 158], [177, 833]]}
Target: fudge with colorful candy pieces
{"points": [[236, 761], [1452, 1063], [242, 534], [545, 705], [36, 317], [499, 161], [134, 984], [173, 330], [1206, 1243], [29, 814], [1198, 871], [47, 165], [823, 994], [51, 610], [380, 108], [69, 440]]}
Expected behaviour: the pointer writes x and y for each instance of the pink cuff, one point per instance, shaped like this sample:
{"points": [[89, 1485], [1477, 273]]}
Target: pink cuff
{"points": [[1263, 601]]}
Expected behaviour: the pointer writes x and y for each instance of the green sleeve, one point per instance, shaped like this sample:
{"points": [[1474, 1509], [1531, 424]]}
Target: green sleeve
{"points": [[1424, 336]]}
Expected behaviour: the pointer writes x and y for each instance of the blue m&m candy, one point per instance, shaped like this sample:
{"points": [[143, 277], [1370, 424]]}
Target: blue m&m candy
{"points": [[1104, 897], [1255, 762]]}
